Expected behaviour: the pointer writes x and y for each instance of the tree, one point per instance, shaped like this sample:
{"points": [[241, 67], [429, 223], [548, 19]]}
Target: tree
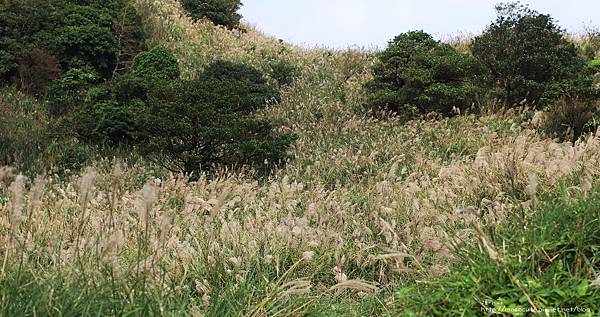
{"points": [[194, 125], [417, 74], [220, 12], [158, 63], [527, 54]]}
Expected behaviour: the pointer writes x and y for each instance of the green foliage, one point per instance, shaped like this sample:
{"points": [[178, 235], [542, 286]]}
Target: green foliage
{"points": [[185, 125], [23, 130], [85, 38], [527, 54], [595, 65], [284, 72], [23, 24], [27, 140], [65, 155], [546, 260], [235, 87], [156, 64], [220, 12], [194, 125], [102, 35], [68, 93], [417, 74]]}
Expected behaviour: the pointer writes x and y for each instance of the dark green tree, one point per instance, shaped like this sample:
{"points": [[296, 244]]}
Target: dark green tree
{"points": [[527, 54], [417, 74], [194, 125], [220, 12], [157, 64]]}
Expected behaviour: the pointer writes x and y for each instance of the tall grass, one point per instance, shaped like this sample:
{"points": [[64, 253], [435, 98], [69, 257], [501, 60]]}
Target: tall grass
{"points": [[363, 210]]}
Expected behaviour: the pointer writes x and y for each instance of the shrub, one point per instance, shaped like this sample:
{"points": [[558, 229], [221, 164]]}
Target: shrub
{"points": [[63, 156], [284, 72], [220, 12], [109, 122], [195, 125], [417, 74], [109, 112], [67, 93], [23, 131], [235, 87], [568, 118], [527, 53], [595, 65], [185, 125], [156, 64]]}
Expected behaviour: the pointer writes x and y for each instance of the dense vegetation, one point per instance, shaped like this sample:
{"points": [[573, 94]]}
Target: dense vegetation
{"points": [[528, 55], [417, 74], [522, 57], [462, 203], [220, 12], [107, 92]]}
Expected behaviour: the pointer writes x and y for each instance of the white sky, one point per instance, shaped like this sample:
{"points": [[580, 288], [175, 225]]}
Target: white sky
{"points": [[370, 23]]}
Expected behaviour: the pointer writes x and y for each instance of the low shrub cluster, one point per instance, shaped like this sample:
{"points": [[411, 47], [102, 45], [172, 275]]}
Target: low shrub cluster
{"points": [[29, 142], [283, 72], [569, 118]]}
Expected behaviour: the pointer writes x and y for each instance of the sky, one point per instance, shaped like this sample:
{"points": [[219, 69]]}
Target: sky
{"points": [[372, 23]]}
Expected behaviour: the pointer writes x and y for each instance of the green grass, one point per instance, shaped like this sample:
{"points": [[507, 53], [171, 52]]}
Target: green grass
{"points": [[546, 260]]}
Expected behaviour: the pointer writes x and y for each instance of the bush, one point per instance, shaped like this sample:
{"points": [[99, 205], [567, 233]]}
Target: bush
{"points": [[23, 131], [185, 125], [109, 112], [284, 72], [68, 93], [568, 118], [85, 39], [595, 65], [527, 54], [417, 74], [156, 64], [198, 124], [220, 12], [110, 122], [235, 87], [63, 156], [29, 143]]}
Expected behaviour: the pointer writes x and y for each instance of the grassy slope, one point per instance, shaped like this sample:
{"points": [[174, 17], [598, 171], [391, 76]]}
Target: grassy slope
{"points": [[364, 210]]}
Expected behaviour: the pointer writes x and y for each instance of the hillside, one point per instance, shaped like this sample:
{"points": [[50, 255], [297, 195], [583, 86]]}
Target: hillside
{"points": [[369, 217]]}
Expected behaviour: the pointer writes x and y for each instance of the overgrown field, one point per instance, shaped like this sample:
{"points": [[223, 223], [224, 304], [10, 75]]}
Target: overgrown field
{"points": [[469, 215]]}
